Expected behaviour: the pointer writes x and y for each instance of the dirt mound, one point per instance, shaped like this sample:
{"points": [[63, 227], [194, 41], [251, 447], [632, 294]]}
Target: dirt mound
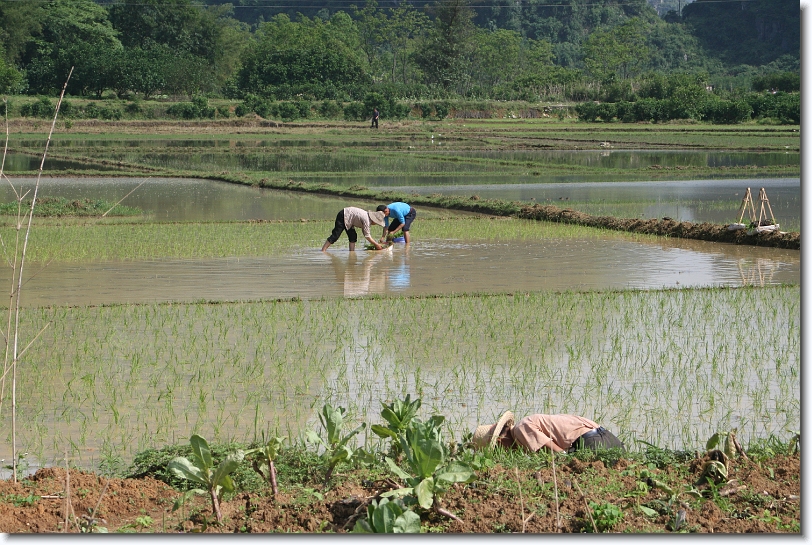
{"points": [[758, 497], [664, 227]]}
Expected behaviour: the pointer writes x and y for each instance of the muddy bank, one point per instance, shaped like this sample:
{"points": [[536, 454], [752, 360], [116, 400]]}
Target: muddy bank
{"points": [[759, 497], [663, 227]]}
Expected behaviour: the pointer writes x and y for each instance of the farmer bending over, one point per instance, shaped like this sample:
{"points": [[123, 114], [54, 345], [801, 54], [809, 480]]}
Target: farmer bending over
{"points": [[402, 217], [348, 219], [557, 432]]}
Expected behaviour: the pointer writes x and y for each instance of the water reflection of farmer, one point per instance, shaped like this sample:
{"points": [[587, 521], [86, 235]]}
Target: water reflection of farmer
{"points": [[348, 219], [402, 216], [399, 276], [355, 274], [557, 432]]}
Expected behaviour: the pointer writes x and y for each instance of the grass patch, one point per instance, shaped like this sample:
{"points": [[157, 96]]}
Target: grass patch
{"points": [[60, 207]]}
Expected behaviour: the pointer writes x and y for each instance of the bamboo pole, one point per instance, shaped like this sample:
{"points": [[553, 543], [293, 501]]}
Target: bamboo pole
{"points": [[16, 296]]}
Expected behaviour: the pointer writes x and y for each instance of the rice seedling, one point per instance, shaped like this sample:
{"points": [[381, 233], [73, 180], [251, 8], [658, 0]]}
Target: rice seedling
{"points": [[663, 365]]}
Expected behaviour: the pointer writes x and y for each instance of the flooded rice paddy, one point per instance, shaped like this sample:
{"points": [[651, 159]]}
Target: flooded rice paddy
{"points": [[184, 199], [669, 367], [425, 267], [143, 352]]}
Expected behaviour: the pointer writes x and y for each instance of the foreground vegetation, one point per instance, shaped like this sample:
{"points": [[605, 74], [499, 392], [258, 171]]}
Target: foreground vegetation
{"points": [[417, 481]]}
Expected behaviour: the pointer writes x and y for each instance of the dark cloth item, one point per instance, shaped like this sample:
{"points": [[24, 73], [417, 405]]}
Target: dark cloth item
{"points": [[339, 228], [408, 219], [595, 439]]}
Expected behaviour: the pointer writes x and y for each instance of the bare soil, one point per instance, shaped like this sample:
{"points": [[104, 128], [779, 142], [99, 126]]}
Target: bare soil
{"points": [[759, 497]]}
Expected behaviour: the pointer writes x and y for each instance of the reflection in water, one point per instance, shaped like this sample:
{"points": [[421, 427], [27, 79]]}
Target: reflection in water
{"points": [[399, 275], [356, 273], [179, 199], [715, 201], [760, 273], [372, 272], [426, 267]]}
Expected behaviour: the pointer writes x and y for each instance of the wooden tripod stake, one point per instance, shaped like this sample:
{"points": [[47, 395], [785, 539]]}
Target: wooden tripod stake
{"points": [[762, 195], [748, 200]]}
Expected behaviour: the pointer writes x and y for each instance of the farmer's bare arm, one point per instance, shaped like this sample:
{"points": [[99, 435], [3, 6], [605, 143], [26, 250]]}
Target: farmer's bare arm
{"points": [[374, 243]]}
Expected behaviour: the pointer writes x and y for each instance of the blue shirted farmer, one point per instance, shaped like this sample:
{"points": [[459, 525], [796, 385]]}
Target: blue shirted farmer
{"points": [[402, 216]]}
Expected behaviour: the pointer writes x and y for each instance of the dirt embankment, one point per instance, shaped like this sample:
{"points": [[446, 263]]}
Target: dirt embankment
{"points": [[664, 227], [759, 497]]}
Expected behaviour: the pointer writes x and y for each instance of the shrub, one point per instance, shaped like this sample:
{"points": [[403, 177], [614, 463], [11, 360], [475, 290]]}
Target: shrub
{"points": [[648, 109], [133, 108], [441, 110], [288, 111], [330, 109], [262, 107], [196, 109], [92, 111], [587, 111], [607, 111], [43, 107], [355, 111], [241, 110], [727, 111]]}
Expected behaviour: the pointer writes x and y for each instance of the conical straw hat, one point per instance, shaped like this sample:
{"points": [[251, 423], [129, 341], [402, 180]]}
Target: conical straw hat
{"points": [[486, 435]]}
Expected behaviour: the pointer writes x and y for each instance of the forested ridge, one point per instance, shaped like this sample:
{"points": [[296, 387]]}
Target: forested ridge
{"points": [[263, 52]]}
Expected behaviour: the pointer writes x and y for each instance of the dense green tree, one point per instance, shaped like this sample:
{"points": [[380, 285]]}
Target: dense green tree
{"points": [[496, 57], [70, 30], [502, 56], [320, 58], [143, 71], [404, 26], [443, 55], [673, 48], [178, 24], [618, 52], [20, 23], [753, 32], [10, 77], [372, 26]]}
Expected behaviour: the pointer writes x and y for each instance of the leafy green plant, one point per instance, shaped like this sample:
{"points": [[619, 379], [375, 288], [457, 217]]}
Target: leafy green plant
{"points": [[606, 516], [672, 504], [722, 447], [388, 517], [336, 445], [398, 416], [265, 456], [18, 500], [89, 524], [201, 470], [427, 457]]}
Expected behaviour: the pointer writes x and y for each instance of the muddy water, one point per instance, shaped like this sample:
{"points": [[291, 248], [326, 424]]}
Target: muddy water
{"points": [[425, 267], [180, 199], [715, 201], [309, 158], [177, 199]]}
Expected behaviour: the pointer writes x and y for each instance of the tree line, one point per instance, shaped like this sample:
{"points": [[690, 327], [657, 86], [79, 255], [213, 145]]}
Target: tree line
{"points": [[555, 50]]}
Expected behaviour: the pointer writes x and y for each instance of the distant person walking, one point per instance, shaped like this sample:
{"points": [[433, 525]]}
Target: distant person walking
{"points": [[402, 216], [348, 219], [375, 115]]}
